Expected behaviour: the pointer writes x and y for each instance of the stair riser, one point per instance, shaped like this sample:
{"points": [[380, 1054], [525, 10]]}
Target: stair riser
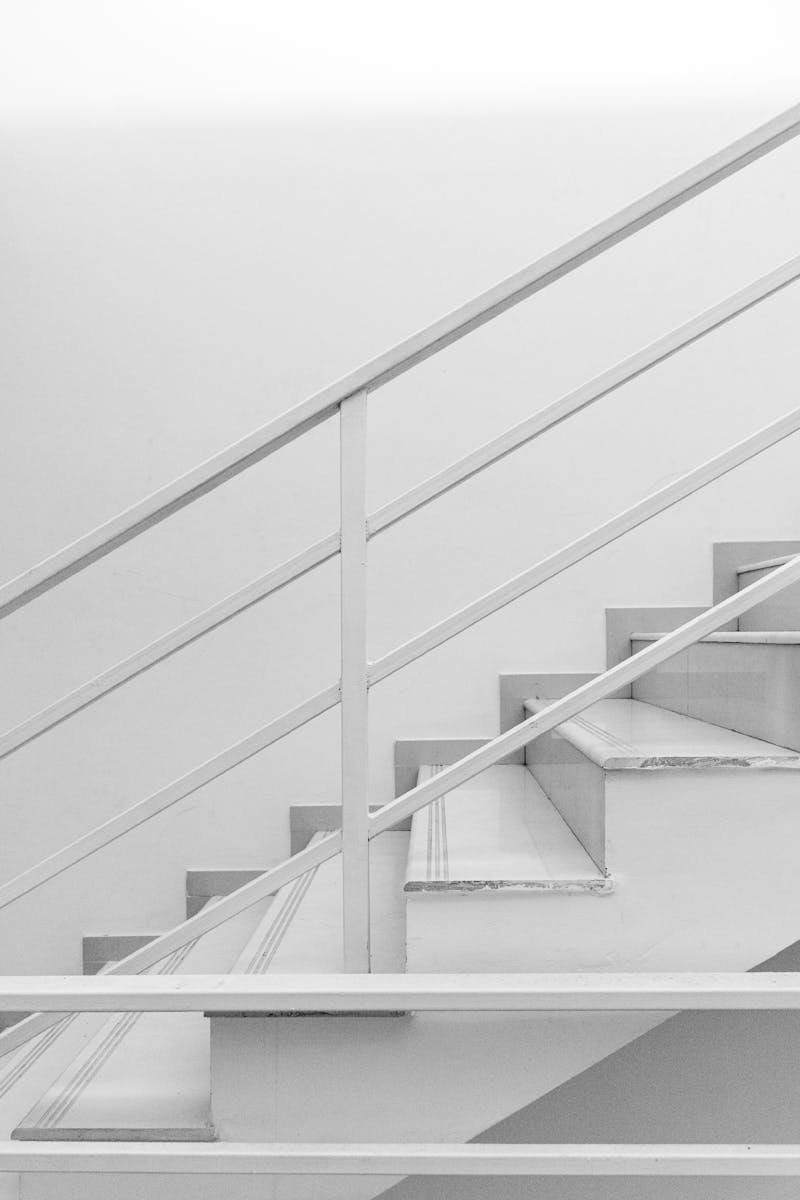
{"points": [[648, 618], [752, 688], [680, 842], [781, 612], [576, 788]]}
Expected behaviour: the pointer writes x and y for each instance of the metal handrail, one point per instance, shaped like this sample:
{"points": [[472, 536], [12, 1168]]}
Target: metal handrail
{"points": [[403, 1158], [229, 758], [396, 510], [400, 358], [349, 397], [595, 991], [419, 797]]}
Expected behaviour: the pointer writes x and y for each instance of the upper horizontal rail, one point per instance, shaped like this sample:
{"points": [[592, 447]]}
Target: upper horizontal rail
{"points": [[345, 993], [400, 1158], [400, 358], [625, 672], [583, 546]]}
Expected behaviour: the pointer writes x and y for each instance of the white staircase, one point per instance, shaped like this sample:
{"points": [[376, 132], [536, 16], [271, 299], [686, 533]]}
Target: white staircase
{"points": [[644, 820], [595, 853]]}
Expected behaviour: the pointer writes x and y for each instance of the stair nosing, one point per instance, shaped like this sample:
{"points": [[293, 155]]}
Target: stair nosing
{"points": [[595, 884], [584, 735]]}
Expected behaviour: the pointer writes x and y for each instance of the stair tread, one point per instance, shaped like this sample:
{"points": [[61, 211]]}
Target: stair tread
{"points": [[497, 831], [632, 734], [302, 932], [143, 1076]]}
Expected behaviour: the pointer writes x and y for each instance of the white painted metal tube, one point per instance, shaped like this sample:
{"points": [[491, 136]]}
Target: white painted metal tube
{"points": [[158, 801], [208, 918], [595, 389], [396, 510], [418, 797], [575, 702], [437, 1158], [163, 647], [401, 357], [391, 993], [354, 700], [588, 544]]}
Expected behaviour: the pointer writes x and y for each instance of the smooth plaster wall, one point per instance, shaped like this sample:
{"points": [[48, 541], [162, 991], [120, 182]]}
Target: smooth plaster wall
{"points": [[166, 289]]}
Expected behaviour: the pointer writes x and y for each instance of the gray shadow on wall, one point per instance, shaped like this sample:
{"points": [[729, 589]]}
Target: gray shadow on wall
{"points": [[698, 1077]]}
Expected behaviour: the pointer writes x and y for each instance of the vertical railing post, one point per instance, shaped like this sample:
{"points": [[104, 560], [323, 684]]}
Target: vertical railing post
{"points": [[355, 745]]}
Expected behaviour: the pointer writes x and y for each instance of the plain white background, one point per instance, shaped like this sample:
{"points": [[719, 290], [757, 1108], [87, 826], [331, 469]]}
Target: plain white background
{"points": [[209, 212]]}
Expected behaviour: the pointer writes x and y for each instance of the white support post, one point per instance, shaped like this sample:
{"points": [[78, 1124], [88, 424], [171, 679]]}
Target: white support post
{"points": [[355, 744]]}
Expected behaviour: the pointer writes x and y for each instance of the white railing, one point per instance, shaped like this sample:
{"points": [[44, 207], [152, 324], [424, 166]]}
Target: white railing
{"points": [[639, 991], [348, 396], [410, 802], [437, 1158], [403, 506]]}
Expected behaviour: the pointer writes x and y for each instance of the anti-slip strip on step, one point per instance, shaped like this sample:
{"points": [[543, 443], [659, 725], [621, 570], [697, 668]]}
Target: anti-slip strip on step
{"points": [[49, 1114], [658, 738], [438, 866], [138, 1076], [497, 833], [260, 950], [274, 935], [19, 1064]]}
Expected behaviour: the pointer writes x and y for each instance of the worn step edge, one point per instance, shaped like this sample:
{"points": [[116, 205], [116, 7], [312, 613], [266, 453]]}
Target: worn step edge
{"points": [[612, 753], [594, 883]]}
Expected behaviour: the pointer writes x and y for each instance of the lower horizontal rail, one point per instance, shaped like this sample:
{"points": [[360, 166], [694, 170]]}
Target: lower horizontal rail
{"points": [[440, 1158], [362, 993]]}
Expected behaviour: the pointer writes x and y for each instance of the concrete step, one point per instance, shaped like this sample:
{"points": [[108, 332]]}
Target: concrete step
{"points": [[572, 763], [302, 931], [781, 612], [748, 681], [481, 855], [142, 1076], [498, 831], [673, 811]]}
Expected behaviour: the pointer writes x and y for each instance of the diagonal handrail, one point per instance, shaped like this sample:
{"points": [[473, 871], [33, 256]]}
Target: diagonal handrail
{"points": [[419, 797], [268, 734], [168, 644], [602, 385], [143, 810], [323, 551], [400, 358]]}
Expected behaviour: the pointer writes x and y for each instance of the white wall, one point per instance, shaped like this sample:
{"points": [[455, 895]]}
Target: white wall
{"points": [[167, 288]]}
